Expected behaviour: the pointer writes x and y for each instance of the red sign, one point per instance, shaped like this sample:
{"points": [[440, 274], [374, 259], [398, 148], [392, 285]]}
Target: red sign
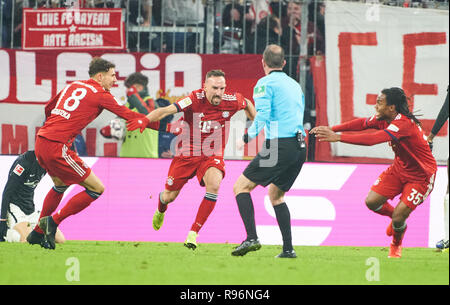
{"points": [[50, 29]]}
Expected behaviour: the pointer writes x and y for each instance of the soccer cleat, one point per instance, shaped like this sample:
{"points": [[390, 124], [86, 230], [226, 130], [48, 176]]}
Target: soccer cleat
{"points": [[191, 240], [48, 226], [395, 251], [442, 244], [158, 219], [35, 238], [246, 246], [287, 254]]}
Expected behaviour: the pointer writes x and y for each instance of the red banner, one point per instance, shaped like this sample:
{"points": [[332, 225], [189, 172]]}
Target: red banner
{"points": [[72, 29]]}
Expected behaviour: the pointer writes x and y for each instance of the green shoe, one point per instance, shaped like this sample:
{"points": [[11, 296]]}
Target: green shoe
{"points": [[191, 240], [158, 219]]}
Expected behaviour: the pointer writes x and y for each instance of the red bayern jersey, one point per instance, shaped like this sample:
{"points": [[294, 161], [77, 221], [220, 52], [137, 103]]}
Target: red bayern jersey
{"points": [[413, 157], [78, 104], [208, 127]]}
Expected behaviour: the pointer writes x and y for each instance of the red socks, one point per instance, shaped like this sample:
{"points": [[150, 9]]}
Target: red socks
{"points": [[75, 205], [50, 204], [205, 209]]}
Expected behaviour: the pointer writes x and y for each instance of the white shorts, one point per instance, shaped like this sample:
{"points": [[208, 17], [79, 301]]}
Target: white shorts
{"points": [[16, 215]]}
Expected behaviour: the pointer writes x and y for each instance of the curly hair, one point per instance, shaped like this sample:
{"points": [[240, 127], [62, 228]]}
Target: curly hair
{"points": [[397, 97]]}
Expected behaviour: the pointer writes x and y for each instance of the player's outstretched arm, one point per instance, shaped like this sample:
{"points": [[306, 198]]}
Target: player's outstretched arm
{"points": [[152, 119], [250, 110], [327, 135], [161, 113]]}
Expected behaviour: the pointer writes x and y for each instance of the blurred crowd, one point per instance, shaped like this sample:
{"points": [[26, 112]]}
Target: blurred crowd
{"points": [[240, 26]]}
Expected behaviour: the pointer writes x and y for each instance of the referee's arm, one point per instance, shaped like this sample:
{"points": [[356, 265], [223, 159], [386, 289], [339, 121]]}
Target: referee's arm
{"points": [[263, 109]]}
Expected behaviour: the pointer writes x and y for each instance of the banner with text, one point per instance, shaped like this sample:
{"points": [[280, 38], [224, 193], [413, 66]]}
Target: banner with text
{"points": [[31, 78], [73, 29], [371, 47]]}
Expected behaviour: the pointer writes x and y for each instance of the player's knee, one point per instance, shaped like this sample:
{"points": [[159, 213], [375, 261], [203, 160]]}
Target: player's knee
{"points": [[168, 196], [99, 189], [240, 188], [371, 204], [213, 188], [237, 188]]}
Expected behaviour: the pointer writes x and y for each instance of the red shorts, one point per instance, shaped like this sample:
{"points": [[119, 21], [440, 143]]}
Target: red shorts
{"points": [[60, 161], [390, 183], [184, 168]]}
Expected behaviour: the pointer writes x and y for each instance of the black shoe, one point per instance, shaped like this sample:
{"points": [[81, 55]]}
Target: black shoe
{"points": [[35, 238], [287, 254], [246, 246], [48, 225]]}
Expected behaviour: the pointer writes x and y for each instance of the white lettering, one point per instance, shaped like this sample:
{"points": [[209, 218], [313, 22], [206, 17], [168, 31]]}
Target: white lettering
{"points": [[66, 18], [85, 40], [27, 88], [151, 61], [72, 62], [54, 40], [191, 67], [62, 113], [47, 19]]}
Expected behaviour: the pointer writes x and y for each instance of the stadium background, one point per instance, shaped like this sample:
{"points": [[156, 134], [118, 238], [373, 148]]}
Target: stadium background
{"points": [[368, 46]]}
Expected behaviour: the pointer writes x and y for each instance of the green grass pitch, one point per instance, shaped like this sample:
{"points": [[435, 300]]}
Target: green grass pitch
{"points": [[149, 263]]}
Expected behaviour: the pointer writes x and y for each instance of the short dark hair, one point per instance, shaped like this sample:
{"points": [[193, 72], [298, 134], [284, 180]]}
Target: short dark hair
{"points": [[274, 56], [99, 64], [136, 78], [215, 73]]}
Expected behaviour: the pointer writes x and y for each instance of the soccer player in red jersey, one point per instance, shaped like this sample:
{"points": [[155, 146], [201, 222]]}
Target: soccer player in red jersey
{"points": [[206, 113], [67, 114], [413, 171]]}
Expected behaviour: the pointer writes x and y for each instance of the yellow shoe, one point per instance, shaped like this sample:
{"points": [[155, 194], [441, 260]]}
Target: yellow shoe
{"points": [[158, 219], [191, 240]]}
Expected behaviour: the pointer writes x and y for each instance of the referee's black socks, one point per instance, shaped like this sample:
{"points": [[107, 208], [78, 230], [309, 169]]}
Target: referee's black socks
{"points": [[247, 211], [284, 222]]}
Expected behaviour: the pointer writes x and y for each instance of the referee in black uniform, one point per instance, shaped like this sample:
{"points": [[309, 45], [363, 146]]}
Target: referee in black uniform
{"points": [[280, 104]]}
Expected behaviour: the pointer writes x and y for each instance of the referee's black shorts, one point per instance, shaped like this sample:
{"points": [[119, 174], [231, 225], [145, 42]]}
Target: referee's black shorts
{"points": [[279, 162]]}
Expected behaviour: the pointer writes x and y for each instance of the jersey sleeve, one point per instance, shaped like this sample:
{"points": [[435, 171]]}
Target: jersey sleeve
{"points": [[360, 124], [109, 102], [262, 95], [185, 104], [363, 139], [241, 103]]}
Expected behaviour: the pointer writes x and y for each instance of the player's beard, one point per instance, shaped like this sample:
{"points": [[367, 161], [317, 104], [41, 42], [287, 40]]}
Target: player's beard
{"points": [[216, 100]]}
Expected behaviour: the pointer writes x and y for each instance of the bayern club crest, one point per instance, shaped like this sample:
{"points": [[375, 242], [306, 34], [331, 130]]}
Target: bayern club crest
{"points": [[169, 180], [225, 114]]}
